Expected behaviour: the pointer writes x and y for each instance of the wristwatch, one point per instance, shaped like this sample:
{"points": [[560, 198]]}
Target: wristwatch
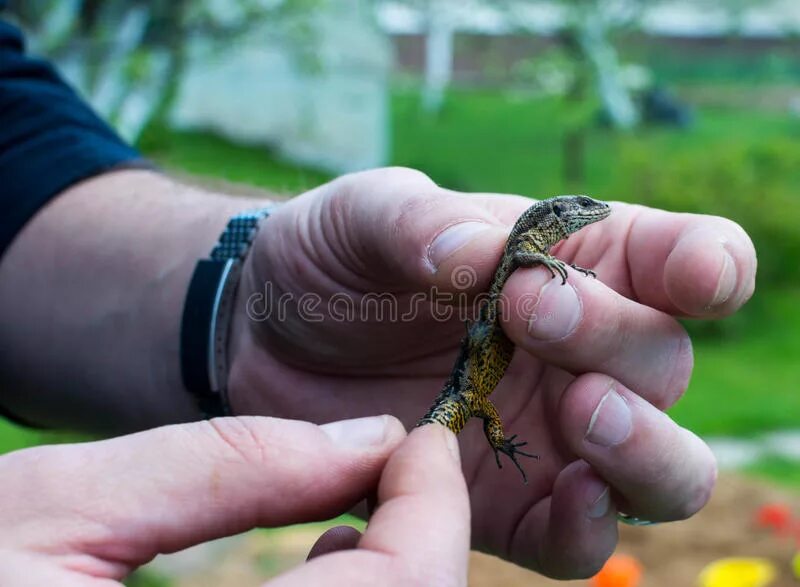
{"points": [[207, 313]]}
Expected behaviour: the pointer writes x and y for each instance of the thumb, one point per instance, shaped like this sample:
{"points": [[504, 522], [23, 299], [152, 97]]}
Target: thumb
{"points": [[170, 488], [409, 232]]}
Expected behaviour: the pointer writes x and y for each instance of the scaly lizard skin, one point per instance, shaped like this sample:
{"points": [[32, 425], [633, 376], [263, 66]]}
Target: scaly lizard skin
{"points": [[486, 351]]}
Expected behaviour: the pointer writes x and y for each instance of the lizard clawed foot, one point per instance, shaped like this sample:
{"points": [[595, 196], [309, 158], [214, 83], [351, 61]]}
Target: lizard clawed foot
{"points": [[553, 265], [586, 272], [511, 449], [556, 266]]}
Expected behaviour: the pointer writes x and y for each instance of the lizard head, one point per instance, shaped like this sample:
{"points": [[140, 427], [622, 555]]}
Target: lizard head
{"points": [[575, 212]]}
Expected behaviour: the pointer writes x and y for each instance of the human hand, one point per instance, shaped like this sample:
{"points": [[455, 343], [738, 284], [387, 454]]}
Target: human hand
{"points": [[600, 359], [89, 514]]}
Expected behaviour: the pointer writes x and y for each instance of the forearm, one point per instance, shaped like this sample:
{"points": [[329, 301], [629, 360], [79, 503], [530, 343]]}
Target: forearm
{"points": [[91, 296]]}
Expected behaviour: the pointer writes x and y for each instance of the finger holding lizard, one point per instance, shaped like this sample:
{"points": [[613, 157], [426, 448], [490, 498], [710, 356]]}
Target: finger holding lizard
{"points": [[658, 471], [688, 265], [585, 326]]}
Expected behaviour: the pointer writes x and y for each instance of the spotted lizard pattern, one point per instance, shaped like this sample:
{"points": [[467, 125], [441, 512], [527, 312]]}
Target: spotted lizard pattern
{"points": [[486, 351]]}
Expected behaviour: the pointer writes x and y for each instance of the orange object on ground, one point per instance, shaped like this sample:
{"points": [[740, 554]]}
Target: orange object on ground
{"points": [[621, 570], [775, 516]]}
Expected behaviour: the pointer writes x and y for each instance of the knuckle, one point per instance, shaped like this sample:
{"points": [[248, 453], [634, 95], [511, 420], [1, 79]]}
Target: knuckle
{"points": [[406, 175], [410, 211], [237, 437], [386, 177]]}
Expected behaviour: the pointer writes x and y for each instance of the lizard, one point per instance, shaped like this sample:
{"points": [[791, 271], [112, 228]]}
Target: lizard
{"points": [[486, 351]]}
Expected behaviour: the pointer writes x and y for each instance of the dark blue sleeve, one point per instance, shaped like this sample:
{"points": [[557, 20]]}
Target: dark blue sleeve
{"points": [[49, 137]]}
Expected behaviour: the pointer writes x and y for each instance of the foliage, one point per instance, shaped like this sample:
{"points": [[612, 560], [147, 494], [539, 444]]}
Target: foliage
{"points": [[212, 157], [755, 184], [778, 469], [745, 381], [742, 166], [146, 578], [13, 437], [117, 49]]}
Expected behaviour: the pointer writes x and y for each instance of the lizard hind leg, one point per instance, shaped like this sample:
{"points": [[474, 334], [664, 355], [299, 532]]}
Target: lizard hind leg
{"points": [[493, 429]]}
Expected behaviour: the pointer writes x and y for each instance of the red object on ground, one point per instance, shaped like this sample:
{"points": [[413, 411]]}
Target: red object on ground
{"points": [[776, 517], [621, 570]]}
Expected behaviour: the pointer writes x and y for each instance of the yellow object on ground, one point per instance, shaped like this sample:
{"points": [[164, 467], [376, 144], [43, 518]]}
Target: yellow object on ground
{"points": [[796, 565], [738, 572], [620, 570]]}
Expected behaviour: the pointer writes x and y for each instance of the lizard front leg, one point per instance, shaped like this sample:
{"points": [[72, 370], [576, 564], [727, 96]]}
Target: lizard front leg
{"points": [[586, 272], [529, 258]]}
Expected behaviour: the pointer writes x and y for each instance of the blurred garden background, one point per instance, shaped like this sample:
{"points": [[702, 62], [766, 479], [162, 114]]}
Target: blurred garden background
{"points": [[688, 105]]}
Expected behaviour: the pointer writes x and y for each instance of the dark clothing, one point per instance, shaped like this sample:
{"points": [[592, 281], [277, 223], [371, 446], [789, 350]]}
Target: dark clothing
{"points": [[49, 137]]}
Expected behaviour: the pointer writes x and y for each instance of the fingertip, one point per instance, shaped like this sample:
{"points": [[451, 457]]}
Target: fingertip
{"points": [[467, 266], [396, 431], [579, 404], [582, 530], [365, 433], [452, 238], [426, 464], [333, 540], [435, 439], [658, 470], [710, 271]]}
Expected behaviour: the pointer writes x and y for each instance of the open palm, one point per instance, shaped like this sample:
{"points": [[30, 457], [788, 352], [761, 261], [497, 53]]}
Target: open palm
{"points": [[353, 300]]}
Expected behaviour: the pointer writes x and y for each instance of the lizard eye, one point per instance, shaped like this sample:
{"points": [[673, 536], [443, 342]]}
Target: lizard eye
{"points": [[585, 202]]}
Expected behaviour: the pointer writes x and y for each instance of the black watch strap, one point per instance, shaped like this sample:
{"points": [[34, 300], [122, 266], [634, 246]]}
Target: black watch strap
{"points": [[207, 313]]}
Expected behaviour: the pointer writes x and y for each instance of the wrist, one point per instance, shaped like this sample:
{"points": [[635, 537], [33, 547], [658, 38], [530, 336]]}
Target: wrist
{"points": [[92, 292], [208, 310]]}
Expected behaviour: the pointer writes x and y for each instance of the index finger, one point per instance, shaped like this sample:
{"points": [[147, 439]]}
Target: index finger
{"points": [[683, 264]]}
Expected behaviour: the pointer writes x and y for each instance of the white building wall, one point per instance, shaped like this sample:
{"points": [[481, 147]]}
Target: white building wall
{"points": [[335, 116]]}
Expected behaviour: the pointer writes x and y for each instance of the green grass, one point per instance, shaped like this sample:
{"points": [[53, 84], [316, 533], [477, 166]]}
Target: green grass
{"points": [[748, 380], [488, 141], [14, 437], [777, 469], [207, 155]]}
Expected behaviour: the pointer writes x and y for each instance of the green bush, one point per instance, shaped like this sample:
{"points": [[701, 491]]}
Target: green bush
{"points": [[755, 184]]}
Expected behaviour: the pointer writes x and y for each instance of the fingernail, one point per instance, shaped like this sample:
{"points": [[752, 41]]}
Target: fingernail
{"points": [[453, 238], [359, 432], [727, 281], [599, 499], [557, 313], [611, 421]]}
